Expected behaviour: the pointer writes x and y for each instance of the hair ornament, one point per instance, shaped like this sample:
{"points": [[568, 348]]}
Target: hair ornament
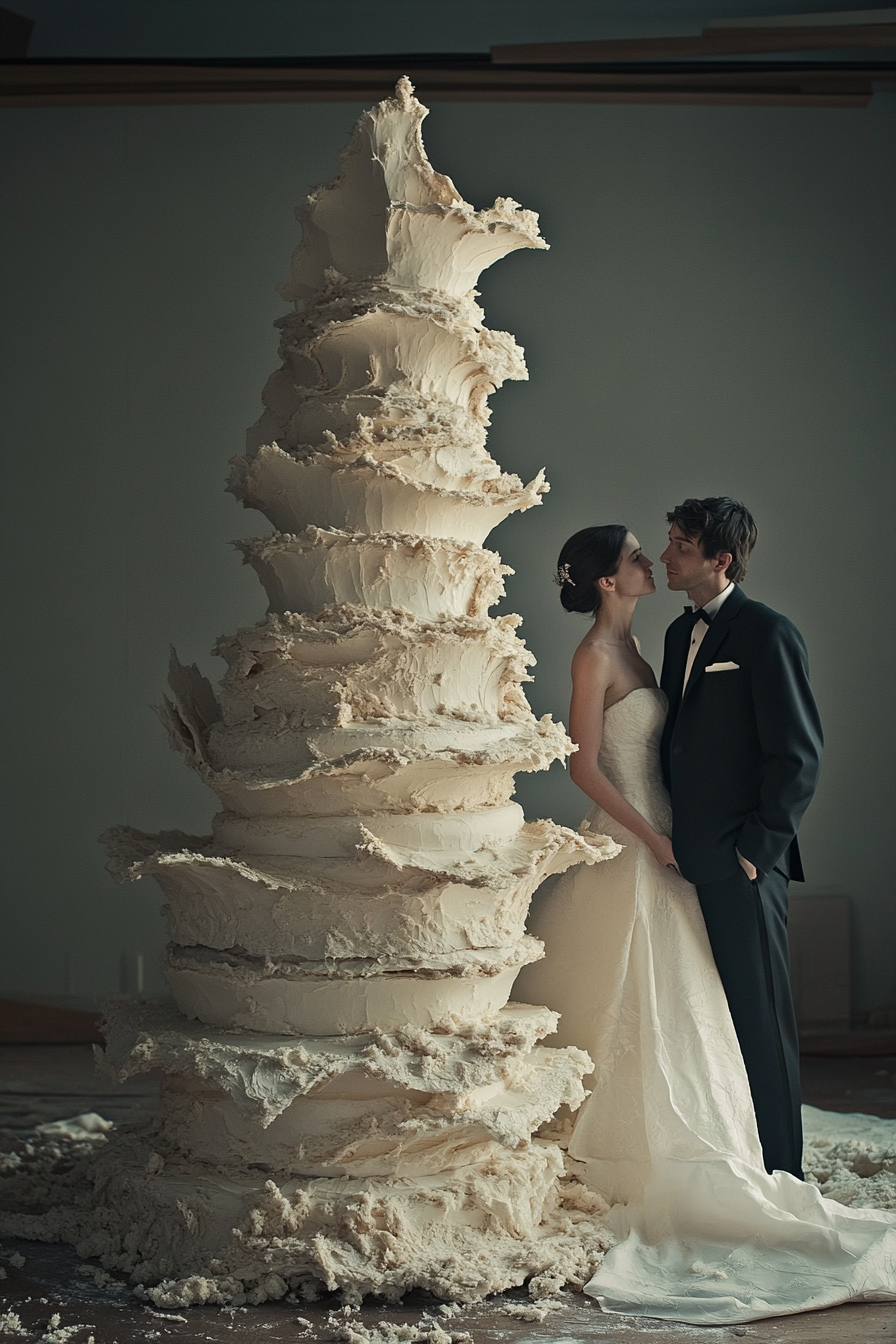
{"points": [[563, 576]]}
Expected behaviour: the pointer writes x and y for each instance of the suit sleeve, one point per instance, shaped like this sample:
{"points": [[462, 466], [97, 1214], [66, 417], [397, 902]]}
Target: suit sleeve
{"points": [[790, 740]]}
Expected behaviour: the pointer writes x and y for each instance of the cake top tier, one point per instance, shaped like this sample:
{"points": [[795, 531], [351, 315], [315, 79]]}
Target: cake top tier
{"points": [[389, 216]]}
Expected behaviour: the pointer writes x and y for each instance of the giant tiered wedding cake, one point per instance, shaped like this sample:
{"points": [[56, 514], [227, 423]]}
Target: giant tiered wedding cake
{"points": [[348, 1098]]}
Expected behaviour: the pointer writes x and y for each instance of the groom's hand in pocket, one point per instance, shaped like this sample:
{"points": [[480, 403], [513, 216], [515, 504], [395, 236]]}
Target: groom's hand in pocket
{"points": [[748, 867]]}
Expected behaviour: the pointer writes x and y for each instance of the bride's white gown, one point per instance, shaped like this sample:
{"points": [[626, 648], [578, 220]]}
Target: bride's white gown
{"points": [[668, 1135]]}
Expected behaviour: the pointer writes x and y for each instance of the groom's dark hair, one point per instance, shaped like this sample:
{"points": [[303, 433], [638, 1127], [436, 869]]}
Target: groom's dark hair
{"points": [[718, 524]]}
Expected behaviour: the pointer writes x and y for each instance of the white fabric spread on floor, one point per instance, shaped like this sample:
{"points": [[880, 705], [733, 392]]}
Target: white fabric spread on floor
{"points": [[669, 1135]]}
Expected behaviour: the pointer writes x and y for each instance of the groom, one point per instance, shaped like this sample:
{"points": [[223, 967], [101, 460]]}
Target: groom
{"points": [[740, 750]]}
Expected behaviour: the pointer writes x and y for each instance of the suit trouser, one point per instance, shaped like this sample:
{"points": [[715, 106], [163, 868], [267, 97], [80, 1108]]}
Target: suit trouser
{"points": [[747, 926]]}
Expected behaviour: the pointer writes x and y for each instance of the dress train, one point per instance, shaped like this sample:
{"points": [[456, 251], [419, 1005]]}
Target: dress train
{"points": [[668, 1136]]}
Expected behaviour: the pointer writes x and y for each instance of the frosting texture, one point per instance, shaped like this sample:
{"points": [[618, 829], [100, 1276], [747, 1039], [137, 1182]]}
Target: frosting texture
{"points": [[349, 1100]]}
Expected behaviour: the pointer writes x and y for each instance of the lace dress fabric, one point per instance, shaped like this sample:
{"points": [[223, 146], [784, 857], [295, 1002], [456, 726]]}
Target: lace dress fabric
{"points": [[669, 1136]]}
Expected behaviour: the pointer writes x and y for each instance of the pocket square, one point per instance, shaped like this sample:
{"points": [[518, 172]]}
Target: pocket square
{"points": [[722, 667]]}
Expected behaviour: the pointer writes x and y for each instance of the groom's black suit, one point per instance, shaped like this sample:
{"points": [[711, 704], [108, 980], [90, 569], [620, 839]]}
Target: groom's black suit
{"points": [[740, 751]]}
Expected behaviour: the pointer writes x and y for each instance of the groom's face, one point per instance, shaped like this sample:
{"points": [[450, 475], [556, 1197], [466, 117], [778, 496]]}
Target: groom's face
{"points": [[686, 565]]}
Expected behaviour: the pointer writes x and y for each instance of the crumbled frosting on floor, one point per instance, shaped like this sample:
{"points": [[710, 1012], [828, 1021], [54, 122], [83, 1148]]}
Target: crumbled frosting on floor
{"points": [[48, 1182]]}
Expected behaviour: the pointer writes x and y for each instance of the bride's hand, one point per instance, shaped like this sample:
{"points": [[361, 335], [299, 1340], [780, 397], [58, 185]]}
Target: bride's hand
{"points": [[662, 851]]}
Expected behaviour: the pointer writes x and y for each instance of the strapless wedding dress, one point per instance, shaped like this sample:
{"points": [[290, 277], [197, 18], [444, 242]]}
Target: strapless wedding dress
{"points": [[669, 1136]]}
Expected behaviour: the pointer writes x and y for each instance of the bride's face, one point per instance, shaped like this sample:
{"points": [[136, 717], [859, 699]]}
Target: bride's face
{"points": [[634, 577]]}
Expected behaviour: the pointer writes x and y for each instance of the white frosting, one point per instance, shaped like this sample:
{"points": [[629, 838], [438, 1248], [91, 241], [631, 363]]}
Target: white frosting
{"points": [[264, 1074], [390, 214], [376, 338], [374, 1104], [356, 1107], [372, 1129], [349, 664], [341, 997], [237, 1237], [375, 902], [429, 578], [267, 766], [331, 837], [368, 496]]}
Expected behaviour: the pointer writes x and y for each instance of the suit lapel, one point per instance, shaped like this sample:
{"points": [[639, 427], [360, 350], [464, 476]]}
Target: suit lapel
{"points": [[713, 639], [678, 657]]}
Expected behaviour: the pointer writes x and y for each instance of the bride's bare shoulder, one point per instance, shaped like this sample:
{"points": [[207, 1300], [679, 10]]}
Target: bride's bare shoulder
{"points": [[592, 658]]}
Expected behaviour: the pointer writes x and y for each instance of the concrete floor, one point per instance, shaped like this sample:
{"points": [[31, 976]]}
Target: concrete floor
{"points": [[40, 1083]]}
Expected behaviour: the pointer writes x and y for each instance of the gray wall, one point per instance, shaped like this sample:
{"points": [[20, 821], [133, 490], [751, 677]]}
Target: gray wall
{"points": [[715, 315]]}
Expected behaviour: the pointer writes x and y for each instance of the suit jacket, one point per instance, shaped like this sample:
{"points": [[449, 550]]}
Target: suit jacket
{"points": [[741, 749]]}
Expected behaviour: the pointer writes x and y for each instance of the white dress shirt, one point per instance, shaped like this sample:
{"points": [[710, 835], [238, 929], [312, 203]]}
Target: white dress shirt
{"points": [[698, 633]]}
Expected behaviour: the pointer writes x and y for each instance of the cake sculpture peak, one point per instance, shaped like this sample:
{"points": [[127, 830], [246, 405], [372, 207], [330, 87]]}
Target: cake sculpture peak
{"points": [[390, 217], [349, 1099]]}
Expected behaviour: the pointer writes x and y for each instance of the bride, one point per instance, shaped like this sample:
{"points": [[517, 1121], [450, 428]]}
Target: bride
{"points": [[668, 1135]]}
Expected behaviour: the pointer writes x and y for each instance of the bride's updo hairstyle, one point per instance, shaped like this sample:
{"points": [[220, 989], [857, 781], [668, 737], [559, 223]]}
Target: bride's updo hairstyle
{"points": [[589, 555]]}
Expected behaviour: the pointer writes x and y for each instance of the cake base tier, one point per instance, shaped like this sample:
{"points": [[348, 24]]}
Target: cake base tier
{"points": [[193, 1236]]}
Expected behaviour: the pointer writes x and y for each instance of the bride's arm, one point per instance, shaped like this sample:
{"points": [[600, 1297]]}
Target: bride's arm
{"points": [[592, 676]]}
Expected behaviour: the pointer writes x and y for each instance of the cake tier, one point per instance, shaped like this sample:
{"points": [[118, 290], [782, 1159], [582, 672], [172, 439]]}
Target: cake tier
{"points": [[270, 762], [333, 998], [358, 1126], [264, 1074], [194, 1235], [376, 903], [390, 214], [429, 578], [433, 443], [370, 497], [445, 833], [346, 664], [359, 339], [401, 1104], [367, 767]]}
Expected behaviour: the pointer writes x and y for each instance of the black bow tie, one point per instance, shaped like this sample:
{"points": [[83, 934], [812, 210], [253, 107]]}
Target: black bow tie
{"points": [[698, 615]]}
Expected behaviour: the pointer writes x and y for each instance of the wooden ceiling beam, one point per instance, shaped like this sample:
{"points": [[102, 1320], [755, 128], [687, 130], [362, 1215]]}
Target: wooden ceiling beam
{"points": [[457, 79], [712, 42]]}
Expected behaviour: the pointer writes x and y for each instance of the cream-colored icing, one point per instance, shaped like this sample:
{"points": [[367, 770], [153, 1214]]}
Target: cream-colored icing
{"points": [[349, 664], [211, 1236], [375, 901], [333, 837], [327, 998], [374, 1104], [269, 766], [264, 1074], [344, 944], [368, 496], [383, 1131], [430, 348], [390, 214], [431, 578]]}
